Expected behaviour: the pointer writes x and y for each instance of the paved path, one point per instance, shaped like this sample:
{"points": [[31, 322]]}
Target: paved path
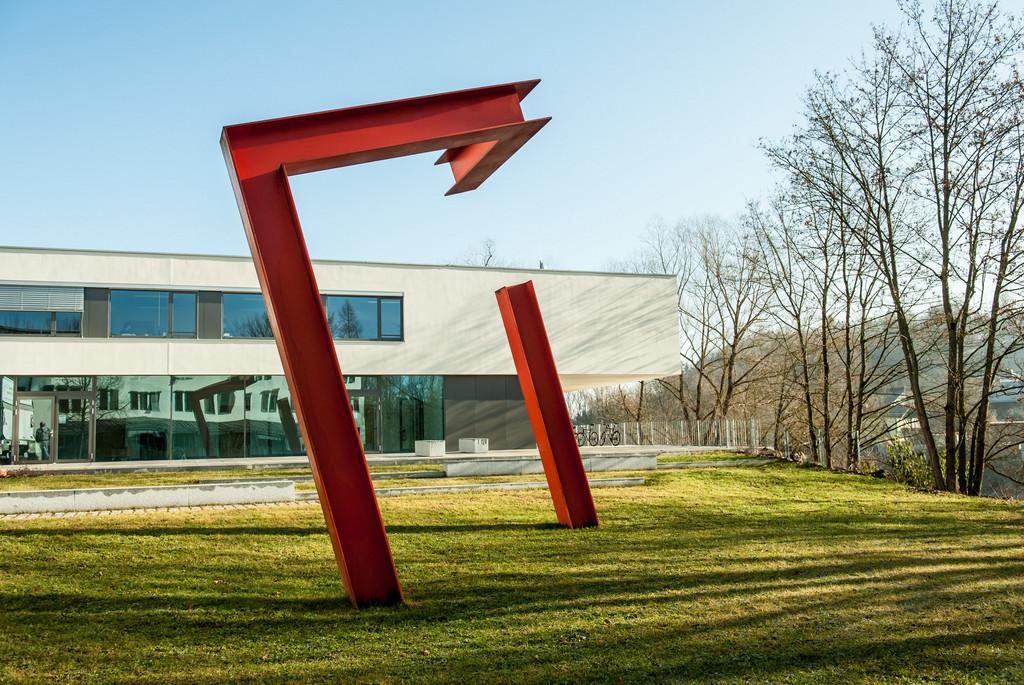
{"points": [[310, 497], [372, 459]]}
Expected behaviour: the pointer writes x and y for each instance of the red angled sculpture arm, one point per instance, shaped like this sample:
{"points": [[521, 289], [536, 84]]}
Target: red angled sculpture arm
{"points": [[478, 130], [545, 404]]}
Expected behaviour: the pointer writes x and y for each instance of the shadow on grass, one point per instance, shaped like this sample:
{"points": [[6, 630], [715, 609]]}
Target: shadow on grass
{"points": [[208, 530], [802, 629], [722, 592]]}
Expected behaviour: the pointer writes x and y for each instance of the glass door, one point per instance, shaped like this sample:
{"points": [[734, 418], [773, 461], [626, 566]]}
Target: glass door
{"points": [[366, 409], [53, 427], [74, 428], [34, 429]]}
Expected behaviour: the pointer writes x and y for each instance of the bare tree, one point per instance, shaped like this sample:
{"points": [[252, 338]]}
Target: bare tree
{"points": [[486, 254], [923, 135]]}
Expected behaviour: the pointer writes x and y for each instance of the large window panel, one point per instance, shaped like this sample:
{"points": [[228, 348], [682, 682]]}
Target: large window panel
{"points": [[183, 315], [352, 318], [245, 316], [25, 323], [68, 323], [152, 314], [271, 427], [132, 417], [390, 318], [40, 310], [6, 417], [73, 417], [208, 419], [40, 323], [139, 313], [412, 408], [54, 383], [364, 317]]}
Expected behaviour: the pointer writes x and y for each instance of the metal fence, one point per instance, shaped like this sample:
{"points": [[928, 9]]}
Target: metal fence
{"points": [[716, 433]]}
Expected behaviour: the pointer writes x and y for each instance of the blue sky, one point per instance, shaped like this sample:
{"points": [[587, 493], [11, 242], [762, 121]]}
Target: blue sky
{"points": [[110, 115]]}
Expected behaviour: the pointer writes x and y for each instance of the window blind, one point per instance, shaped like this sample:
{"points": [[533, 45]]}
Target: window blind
{"points": [[21, 298]]}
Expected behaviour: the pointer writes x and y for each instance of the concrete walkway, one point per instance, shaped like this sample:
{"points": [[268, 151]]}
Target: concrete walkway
{"points": [[105, 504], [372, 459]]}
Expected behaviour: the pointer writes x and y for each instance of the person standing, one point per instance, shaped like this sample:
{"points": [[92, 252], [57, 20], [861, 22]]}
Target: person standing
{"points": [[42, 436]]}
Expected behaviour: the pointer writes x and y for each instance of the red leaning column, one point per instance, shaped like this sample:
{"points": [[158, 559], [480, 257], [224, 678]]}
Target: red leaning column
{"points": [[545, 403], [478, 129]]}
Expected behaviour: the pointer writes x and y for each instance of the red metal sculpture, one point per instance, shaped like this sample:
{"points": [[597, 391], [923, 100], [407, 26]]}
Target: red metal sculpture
{"points": [[478, 129], [545, 404]]}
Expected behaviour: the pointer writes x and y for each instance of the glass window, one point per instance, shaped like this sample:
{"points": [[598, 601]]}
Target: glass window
{"points": [[149, 313], [391, 318], [129, 423], [271, 429], [68, 323], [225, 402], [54, 383], [183, 315], [6, 413], [352, 318], [182, 400], [412, 408], [268, 401], [25, 323], [144, 401], [106, 399], [245, 316], [139, 313], [213, 426], [361, 383]]}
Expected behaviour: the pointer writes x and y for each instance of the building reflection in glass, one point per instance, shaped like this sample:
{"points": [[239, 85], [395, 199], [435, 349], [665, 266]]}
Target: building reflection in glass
{"points": [[196, 417]]}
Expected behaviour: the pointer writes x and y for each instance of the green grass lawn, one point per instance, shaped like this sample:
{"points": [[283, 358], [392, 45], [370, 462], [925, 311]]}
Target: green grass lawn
{"points": [[748, 575], [718, 455]]}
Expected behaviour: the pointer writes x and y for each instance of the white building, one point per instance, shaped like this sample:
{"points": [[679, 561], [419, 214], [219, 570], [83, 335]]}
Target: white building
{"points": [[109, 356]]}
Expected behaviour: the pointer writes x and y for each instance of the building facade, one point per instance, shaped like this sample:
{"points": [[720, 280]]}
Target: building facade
{"points": [[108, 356]]}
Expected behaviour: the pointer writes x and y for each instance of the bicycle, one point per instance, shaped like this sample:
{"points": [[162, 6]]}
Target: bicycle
{"points": [[588, 435]]}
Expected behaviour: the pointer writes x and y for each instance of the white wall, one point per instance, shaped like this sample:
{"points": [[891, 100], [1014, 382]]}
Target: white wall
{"points": [[604, 328]]}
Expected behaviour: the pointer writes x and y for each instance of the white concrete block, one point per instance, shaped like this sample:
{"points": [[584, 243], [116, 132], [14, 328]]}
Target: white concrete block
{"points": [[493, 467], [429, 448], [473, 445], [35, 501], [98, 499], [615, 463], [242, 493]]}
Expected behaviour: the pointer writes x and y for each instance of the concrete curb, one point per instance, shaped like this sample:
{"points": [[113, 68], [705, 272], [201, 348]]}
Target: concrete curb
{"points": [[718, 464], [145, 497]]}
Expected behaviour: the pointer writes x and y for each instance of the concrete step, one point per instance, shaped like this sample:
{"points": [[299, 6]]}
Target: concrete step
{"points": [[145, 497]]}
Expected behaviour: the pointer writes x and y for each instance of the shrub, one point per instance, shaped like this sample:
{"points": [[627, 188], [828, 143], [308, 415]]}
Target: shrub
{"points": [[908, 466]]}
